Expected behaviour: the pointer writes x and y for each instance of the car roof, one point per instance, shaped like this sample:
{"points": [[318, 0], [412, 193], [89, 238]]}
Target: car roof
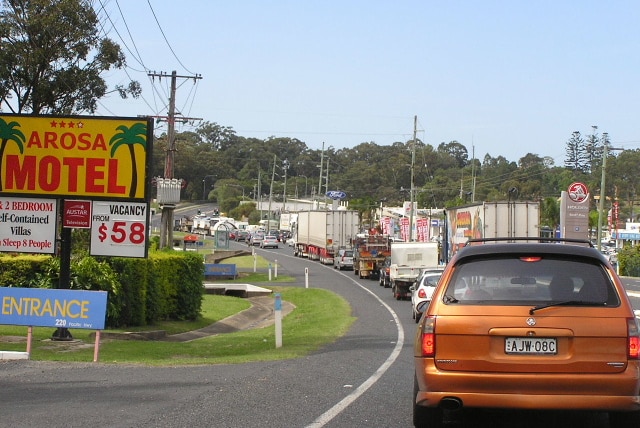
{"points": [[558, 247]]}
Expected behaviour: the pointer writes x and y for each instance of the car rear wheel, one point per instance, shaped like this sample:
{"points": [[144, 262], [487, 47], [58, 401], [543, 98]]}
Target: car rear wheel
{"points": [[425, 417]]}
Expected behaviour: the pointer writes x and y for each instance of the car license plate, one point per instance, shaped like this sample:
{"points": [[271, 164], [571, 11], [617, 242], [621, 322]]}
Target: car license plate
{"points": [[531, 346]]}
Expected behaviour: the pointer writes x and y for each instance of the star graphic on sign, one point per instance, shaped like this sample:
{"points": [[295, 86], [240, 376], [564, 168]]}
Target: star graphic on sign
{"points": [[62, 124], [53, 123], [80, 125], [71, 124]]}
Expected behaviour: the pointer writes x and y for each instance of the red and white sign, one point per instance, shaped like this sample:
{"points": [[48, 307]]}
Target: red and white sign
{"points": [[119, 229], [28, 225], [578, 192], [77, 214]]}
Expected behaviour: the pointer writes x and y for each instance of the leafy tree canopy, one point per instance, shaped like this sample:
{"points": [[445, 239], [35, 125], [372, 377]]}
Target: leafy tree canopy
{"points": [[52, 57]]}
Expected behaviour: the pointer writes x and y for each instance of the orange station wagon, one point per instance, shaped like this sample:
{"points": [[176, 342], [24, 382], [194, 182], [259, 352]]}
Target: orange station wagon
{"points": [[528, 325]]}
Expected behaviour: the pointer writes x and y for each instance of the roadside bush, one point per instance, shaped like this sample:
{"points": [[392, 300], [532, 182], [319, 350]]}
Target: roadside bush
{"points": [[629, 261], [87, 273], [27, 271], [133, 274], [166, 286], [175, 286]]}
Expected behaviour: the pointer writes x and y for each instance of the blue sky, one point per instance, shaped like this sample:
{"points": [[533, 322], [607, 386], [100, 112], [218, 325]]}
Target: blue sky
{"points": [[503, 78]]}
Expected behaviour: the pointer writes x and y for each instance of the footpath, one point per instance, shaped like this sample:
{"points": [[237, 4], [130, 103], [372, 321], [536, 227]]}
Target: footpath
{"points": [[260, 314]]}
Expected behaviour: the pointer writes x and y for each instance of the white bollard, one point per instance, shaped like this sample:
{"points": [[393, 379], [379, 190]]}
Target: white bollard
{"points": [[278, 315], [269, 271], [306, 277], [255, 262], [275, 270]]}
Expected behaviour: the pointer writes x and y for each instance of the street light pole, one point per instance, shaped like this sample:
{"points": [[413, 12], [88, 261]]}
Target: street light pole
{"points": [[602, 190], [285, 167]]}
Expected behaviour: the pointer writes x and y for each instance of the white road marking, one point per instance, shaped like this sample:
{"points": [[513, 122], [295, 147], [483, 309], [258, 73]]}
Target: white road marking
{"points": [[346, 401]]}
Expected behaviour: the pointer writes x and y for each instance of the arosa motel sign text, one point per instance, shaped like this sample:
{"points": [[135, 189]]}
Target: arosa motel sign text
{"points": [[336, 194], [74, 156]]}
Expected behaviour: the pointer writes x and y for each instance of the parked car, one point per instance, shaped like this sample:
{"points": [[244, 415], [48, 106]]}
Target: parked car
{"points": [[269, 241], [241, 235], [536, 326], [343, 260], [422, 290], [383, 273]]}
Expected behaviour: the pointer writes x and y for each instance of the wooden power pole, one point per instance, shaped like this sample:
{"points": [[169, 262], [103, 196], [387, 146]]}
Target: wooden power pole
{"points": [[169, 202]]}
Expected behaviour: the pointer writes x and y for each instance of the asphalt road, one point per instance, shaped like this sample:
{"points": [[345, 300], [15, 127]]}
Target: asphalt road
{"points": [[363, 379]]}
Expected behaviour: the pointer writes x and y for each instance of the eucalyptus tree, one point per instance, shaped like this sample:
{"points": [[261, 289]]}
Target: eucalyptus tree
{"points": [[456, 151], [217, 136], [622, 173], [53, 56]]}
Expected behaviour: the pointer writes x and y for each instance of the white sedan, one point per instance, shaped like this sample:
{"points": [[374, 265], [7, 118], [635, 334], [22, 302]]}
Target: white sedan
{"points": [[269, 241], [422, 290]]}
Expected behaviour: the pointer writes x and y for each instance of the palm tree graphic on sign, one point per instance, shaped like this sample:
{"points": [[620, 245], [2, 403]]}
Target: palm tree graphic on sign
{"points": [[8, 132], [129, 137]]}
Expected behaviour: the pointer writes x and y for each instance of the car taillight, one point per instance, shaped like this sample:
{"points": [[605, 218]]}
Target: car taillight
{"points": [[634, 339], [421, 293], [429, 337]]}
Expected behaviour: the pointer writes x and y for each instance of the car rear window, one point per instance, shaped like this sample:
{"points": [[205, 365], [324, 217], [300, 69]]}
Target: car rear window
{"points": [[348, 253], [522, 279]]}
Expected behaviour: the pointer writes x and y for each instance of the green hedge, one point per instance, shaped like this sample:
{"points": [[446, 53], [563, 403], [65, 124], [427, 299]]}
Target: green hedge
{"points": [[166, 286], [629, 261]]}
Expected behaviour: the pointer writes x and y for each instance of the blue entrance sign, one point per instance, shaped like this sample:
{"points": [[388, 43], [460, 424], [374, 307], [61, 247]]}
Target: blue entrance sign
{"points": [[43, 307]]}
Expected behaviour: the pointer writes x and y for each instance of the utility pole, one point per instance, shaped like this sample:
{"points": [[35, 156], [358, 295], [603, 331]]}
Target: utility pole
{"points": [[320, 178], [259, 198], [285, 167], [273, 177], [326, 185], [165, 197], [605, 149], [413, 161]]}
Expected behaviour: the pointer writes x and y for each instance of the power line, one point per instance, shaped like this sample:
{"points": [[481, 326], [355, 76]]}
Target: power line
{"points": [[165, 39]]}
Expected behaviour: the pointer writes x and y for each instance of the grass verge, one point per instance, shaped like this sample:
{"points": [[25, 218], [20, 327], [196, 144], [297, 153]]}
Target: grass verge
{"points": [[320, 318]]}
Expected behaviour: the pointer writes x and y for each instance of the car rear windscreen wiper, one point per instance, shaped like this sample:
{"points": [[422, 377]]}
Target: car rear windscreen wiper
{"points": [[566, 303], [450, 299]]}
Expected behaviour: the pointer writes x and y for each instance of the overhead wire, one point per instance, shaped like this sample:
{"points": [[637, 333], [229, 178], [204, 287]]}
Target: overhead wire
{"points": [[137, 57], [166, 40]]}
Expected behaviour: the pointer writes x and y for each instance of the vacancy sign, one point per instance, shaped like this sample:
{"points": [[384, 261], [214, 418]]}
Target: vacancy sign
{"points": [[28, 225], [119, 229]]}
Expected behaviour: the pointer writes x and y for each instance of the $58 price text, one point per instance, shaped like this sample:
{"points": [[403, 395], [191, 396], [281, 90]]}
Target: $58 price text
{"points": [[122, 232]]}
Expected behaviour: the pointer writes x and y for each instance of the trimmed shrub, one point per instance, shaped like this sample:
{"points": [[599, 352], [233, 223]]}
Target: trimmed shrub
{"points": [[166, 286]]}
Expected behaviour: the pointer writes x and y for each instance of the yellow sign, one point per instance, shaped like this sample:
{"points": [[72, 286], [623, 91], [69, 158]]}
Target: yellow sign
{"points": [[75, 156]]}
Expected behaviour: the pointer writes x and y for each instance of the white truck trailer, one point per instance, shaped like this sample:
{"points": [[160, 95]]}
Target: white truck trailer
{"points": [[408, 259], [490, 220], [319, 235]]}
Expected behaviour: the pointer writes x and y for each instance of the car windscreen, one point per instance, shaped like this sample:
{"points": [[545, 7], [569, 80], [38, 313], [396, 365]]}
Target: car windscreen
{"points": [[431, 280], [530, 279]]}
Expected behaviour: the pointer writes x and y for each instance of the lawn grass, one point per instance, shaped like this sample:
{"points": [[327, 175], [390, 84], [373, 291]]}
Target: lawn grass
{"points": [[319, 317]]}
